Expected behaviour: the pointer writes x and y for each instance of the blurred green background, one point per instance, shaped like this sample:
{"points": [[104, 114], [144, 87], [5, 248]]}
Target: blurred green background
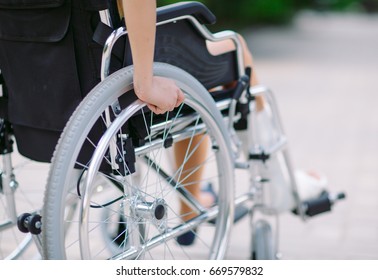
{"points": [[239, 13]]}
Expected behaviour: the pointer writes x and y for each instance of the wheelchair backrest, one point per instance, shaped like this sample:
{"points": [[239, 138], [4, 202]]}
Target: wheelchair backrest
{"points": [[180, 43]]}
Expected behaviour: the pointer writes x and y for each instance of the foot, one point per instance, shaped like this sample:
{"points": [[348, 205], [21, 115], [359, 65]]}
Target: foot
{"points": [[310, 184], [187, 238]]}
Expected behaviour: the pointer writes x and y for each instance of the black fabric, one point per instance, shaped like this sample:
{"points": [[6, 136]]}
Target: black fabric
{"points": [[36, 144], [30, 4], [179, 44], [95, 5], [30, 21], [47, 76], [3, 99], [49, 68]]}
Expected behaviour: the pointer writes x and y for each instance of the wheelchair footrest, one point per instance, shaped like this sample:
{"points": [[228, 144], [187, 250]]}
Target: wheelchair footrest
{"points": [[321, 204]]}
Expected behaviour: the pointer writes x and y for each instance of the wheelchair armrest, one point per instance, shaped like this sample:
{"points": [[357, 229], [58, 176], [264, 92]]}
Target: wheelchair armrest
{"points": [[196, 9]]}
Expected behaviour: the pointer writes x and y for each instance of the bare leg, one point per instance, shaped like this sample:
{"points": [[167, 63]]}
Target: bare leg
{"points": [[192, 182], [215, 48]]}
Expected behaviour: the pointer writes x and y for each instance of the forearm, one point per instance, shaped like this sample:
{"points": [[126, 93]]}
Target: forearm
{"points": [[160, 94], [140, 17]]}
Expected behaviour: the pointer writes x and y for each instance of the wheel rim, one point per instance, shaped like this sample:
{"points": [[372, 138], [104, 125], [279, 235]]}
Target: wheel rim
{"points": [[170, 227], [147, 243]]}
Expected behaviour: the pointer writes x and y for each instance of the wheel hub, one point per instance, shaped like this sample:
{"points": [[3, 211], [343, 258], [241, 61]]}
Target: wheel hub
{"points": [[154, 212]]}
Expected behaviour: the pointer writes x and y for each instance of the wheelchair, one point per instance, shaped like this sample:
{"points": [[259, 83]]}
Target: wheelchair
{"points": [[114, 187]]}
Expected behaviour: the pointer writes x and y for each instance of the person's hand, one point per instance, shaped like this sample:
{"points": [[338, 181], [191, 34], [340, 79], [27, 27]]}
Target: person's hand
{"points": [[161, 95]]}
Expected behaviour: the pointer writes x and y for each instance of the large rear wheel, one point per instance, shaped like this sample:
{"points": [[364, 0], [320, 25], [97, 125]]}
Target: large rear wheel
{"points": [[114, 190]]}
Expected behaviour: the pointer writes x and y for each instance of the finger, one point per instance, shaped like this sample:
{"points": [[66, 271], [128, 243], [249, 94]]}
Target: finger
{"points": [[178, 102], [160, 111], [170, 106], [180, 98], [153, 108]]}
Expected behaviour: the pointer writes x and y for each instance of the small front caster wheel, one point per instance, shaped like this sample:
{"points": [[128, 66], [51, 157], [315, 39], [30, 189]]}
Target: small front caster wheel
{"points": [[22, 222], [35, 224], [29, 223]]}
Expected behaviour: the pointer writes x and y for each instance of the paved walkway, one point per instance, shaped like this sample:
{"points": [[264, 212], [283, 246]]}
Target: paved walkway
{"points": [[324, 71]]}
